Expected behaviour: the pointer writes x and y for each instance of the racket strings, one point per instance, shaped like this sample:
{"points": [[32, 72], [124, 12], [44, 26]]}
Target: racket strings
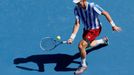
{"points": [[48, 44]]}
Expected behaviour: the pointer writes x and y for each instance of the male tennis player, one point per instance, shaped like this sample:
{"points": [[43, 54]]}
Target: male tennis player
{"points": [[88, 13]]}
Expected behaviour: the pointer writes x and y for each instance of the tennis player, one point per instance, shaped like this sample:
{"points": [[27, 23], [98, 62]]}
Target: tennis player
{"points": [[88, 13]]}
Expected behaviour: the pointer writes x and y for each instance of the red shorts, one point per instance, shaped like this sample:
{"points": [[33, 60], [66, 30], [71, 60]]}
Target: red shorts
{"points": [[90, 35]]}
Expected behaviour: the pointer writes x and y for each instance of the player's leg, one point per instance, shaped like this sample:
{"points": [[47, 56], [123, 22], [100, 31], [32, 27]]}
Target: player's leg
{"points": [[88, 40], [93, 34], [82, 46], [104, 40]]}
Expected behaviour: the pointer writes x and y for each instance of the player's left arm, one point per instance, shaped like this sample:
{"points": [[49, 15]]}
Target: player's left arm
{"points": [[108, 17]]}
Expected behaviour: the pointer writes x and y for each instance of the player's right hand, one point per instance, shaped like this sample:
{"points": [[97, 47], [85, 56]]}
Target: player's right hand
{"points": [[70, 40]]}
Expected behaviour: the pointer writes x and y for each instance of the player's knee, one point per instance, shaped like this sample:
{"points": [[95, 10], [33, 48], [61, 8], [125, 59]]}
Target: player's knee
{"points": [[93, 43], [82, 45]]}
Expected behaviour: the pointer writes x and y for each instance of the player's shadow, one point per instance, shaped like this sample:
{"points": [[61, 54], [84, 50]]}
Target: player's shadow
{"points": [[62, 61]]}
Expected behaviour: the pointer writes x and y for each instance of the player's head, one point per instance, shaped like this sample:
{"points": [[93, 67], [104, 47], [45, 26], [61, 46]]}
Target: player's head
{"points": [[78, 1]]}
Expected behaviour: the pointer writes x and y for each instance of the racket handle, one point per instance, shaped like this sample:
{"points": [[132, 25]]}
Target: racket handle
{"points": [[64, 42]]}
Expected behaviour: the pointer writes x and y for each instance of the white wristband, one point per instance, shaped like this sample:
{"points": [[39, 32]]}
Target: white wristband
{"points": [[73, 36], [112, 23]]}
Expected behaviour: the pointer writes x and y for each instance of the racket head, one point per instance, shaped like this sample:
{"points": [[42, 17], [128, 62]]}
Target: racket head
{"points": [[47, 43]]}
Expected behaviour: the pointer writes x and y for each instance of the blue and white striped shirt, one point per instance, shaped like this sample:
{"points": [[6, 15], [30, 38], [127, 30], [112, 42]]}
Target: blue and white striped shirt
{"points": [[89, 16]]}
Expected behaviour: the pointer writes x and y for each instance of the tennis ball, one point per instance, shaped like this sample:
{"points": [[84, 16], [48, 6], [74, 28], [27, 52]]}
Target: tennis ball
{"points": [[58, 37]]}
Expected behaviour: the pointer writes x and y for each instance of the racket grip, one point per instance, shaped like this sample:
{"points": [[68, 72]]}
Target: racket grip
{"points": [[64, 42]]}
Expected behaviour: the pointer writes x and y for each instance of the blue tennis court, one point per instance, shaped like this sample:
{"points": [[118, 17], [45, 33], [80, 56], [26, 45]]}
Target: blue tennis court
{"points": [[24, 22]]}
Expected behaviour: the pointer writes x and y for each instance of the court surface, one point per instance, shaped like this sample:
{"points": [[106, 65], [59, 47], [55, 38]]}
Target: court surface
{"points": [[24, 22]]}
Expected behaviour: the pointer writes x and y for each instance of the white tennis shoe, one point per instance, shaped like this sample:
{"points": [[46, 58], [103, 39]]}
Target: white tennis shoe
{"points": [[80, 70]]}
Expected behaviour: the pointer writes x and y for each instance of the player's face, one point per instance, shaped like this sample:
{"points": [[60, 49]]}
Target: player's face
{"points": [[82, 4]]}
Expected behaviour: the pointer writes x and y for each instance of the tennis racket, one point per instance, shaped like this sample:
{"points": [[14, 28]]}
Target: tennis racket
{"points": [[49, 43]]}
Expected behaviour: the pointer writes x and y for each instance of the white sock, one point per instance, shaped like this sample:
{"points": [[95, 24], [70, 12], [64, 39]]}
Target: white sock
{"points": [[83, 62], [100, 41]]}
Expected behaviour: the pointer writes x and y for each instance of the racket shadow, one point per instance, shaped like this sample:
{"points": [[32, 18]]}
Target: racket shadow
{"points": [[62, 61]]}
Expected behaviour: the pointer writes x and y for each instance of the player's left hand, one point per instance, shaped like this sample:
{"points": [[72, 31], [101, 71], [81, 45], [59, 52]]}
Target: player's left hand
{"points": [[70, 41], [116, 28]]}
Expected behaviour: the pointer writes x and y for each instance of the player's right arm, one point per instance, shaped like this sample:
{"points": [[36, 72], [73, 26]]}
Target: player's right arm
{"points": [[74, 32], [76, 26]]}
